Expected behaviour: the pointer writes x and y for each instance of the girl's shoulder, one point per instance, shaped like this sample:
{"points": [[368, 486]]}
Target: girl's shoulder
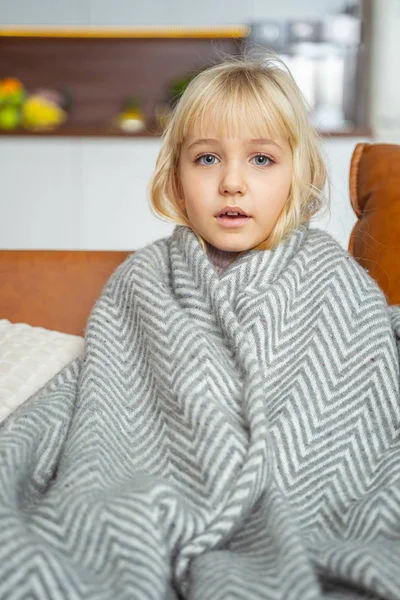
{"points": [[146, 263], [321, 248], [326, 257], [321, 241], [155, 253]]}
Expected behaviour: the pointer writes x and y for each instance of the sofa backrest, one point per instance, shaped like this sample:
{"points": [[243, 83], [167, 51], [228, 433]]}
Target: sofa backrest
{"points": [[375, 197], [54, 289]]}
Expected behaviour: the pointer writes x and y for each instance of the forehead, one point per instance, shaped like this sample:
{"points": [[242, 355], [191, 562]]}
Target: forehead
{"points": [[243, 137], [233, 122], [235, 118], [218, 131]]}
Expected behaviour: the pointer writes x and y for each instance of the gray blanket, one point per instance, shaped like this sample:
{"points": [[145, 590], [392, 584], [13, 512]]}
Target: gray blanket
{"points": [[233, 437]]}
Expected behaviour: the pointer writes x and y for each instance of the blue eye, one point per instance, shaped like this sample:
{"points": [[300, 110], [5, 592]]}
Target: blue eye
{"points": [[262, 160], [206, 159]]}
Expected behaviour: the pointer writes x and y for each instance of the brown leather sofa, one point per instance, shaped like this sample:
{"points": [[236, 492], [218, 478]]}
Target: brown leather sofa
{"points": [[375, 197]]}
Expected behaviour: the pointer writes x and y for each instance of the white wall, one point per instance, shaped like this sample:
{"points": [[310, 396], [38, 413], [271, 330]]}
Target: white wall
{"points": [[157, 12], [385, 88], [92, 193], [339, 218]]}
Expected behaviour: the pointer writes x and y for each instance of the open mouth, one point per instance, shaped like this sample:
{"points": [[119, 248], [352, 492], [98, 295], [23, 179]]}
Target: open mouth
{"points": [[232, 215], [232, 218]]}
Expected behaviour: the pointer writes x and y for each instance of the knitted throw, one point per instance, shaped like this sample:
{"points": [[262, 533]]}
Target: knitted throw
{"points": [[233, 437]]}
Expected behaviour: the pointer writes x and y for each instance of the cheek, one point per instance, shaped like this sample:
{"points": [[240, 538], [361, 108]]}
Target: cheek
{"points": [[196, 188], [188, 181], [183, 187], [277, 190], [285, 185], [194, 204]]}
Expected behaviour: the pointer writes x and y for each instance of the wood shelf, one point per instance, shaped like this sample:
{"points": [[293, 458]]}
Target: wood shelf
{"points": [[88, 130], [101, 67], [359, 131], [93, 32], [101, 74], [84, 130]]}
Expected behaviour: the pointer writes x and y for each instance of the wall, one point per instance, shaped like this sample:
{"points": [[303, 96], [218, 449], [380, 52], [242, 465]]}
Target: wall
{"points": [[157, 12], [92, 194], [385, 88]]}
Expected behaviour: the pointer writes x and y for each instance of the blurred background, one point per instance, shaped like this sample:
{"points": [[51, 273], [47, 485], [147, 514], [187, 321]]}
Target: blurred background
{"points": [[86, 87]]}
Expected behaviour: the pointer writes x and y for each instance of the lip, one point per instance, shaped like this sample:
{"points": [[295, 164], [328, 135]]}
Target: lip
{"points": [[229, 222], [232, 222]]}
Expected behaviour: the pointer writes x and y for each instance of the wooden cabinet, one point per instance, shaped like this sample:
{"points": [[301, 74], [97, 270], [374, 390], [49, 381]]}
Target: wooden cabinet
{"points": [[103, 67]]}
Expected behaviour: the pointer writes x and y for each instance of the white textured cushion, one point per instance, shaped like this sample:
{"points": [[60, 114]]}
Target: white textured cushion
{"points": [[29, 357]]}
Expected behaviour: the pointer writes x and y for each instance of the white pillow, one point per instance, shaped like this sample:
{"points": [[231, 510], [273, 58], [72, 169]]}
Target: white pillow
{"points": [[29, 357]]}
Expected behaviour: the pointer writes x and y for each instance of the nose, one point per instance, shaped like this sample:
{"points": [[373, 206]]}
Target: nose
{"points": [[233, 180]]}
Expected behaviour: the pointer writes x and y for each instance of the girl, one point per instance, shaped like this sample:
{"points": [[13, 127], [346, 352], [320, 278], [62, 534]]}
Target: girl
{"points": [[233, 428]]}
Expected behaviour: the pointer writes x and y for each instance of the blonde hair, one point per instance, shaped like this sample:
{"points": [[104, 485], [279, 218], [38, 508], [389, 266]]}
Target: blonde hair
{"points": [[255, 93]]}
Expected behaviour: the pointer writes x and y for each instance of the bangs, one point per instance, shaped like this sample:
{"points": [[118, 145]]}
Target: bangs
{"points": [[237, 109]]}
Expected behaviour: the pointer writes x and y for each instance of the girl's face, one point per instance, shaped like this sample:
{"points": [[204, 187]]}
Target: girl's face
{"points": [[220, 175]]}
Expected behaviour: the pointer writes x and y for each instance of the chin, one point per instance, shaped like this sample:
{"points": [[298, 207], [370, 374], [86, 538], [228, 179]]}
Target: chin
{"points": [[234, 247], [228, 243]]}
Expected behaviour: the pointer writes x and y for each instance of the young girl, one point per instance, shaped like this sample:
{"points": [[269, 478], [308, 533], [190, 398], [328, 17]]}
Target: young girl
{"points": [[232, 430]]}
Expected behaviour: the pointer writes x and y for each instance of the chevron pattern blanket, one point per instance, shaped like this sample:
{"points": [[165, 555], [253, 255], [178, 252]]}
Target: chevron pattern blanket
{"points": [[233, 437]]}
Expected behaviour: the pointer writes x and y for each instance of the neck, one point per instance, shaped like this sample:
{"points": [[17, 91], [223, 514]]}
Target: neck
{"points": [[221, 259]]}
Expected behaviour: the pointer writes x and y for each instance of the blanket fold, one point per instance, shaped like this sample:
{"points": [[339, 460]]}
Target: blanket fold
{"points": [[222, 437]]}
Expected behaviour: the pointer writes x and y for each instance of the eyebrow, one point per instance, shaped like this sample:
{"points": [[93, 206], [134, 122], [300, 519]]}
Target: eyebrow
{"points": [[259, 141]]}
